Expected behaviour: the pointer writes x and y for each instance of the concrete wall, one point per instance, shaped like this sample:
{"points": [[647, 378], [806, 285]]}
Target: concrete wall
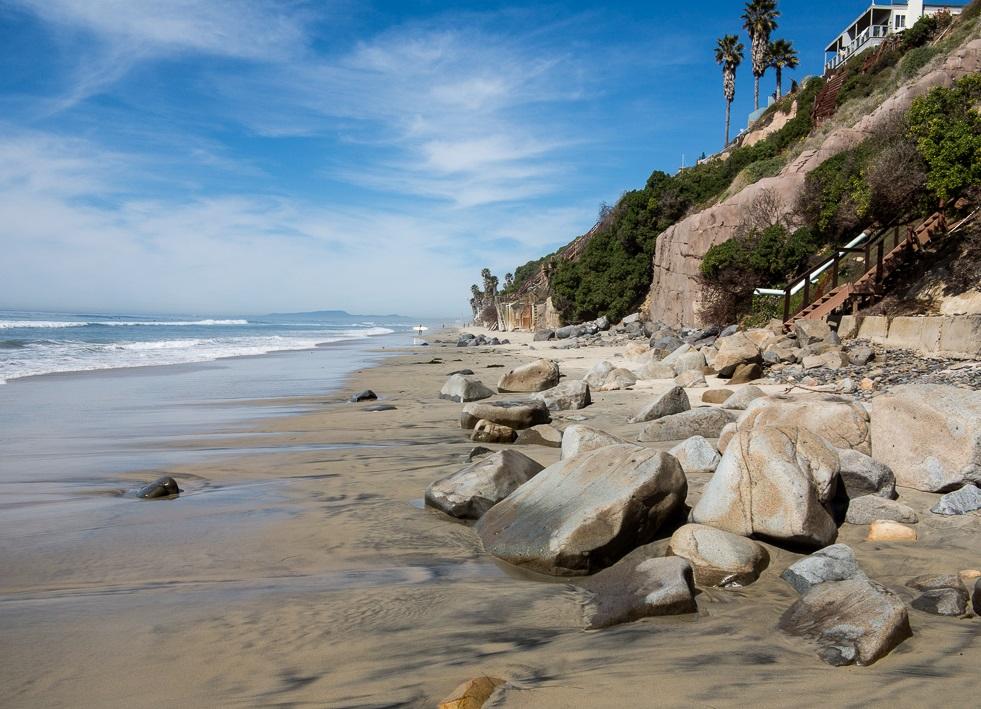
{"points": [[958, 335]]}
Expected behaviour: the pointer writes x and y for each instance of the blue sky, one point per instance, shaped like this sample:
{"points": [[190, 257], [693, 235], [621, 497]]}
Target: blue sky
{"points": [[247, 156]]}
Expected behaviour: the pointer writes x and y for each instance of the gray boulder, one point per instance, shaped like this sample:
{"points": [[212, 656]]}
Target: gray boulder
{"points": [[950, 601], [577, 439], [656, 370], [959, 502], [598, 374], [777, 482], [566, 396], [669, 401], [470, 492], [734, 350], [541, 435], [638, 586], [703, 421], [929, 434], [868, 508], [539, 375], [516, 414], [853, 621], [742, 397], [461, 388], [690, 361], [864, 476], [812, 331], [584, 513], [719, 558], [833, 563], [618, 379], [696, 455], [565, 332], [544, 335], [860, 355], [664, 345]]}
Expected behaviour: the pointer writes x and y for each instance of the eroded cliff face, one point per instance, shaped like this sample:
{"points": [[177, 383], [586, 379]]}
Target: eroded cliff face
{"points": [[676, 297]]}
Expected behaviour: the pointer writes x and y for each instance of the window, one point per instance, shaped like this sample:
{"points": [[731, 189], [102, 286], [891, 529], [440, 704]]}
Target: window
{"points": [[900, 22]]}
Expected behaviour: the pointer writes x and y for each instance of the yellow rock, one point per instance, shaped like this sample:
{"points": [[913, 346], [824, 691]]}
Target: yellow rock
{"points": [[968, 576], [883, 530], [866, 384], [471, 694]]}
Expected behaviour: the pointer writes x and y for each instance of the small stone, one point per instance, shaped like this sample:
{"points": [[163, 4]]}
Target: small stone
{"points": [[162, 487], [864, 476], [860, 355], [866, 384], [959, 502], [887, 531], [942, 601], [472, 694], [566, 396], [715, 396], [703, 421], [366, 395], [846, 385], [379, 407], [832, 563]]}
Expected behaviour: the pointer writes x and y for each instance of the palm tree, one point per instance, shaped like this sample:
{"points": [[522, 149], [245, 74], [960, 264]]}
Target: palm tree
{"points": [[728, 53], [782, 54], [759, 20]]}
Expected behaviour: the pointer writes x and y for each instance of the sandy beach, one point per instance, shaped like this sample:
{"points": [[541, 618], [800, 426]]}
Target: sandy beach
{"points": [[302, 569]]}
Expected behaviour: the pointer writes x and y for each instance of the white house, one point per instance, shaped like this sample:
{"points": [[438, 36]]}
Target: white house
{"points": [[879, 21]]}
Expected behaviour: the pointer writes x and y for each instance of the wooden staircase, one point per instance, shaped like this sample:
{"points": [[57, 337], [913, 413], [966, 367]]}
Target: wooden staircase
{"points": [[826, 102], [888, 258]]}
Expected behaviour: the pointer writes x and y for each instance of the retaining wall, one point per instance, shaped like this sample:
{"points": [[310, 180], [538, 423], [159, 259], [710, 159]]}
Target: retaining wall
{"points": [[958, 335]]}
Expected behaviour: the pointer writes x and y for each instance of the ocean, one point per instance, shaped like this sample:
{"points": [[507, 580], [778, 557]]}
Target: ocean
{"points": [[47, 343]]}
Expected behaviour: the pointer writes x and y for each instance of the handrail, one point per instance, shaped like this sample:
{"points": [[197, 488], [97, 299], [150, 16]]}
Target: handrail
{"points": [[815, 272]]}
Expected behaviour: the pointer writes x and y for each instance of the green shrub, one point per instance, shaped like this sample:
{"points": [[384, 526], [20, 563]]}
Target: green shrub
{"points": [[920, 33], [914, 60]]}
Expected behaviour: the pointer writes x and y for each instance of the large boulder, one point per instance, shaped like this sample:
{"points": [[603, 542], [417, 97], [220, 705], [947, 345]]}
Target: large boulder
{"points": [[584, 513], [733, 351], [742, 397], [597, 375], [690, 361], [577, 439], [638, 586], [656, 370], [864, 476], [515, 414], [470, 492], [668, 401], [811, 331], [852, 621], [719, 558], [929, 434], [703, 421], [833, 563], [696, 455], [566, 396], [843, 423], [539, 375], [869, 508], [774, 482], [461, 388], [691, 379]]}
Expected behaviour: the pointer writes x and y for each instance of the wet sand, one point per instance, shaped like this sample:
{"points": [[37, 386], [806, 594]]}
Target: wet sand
{"points": [[302, 570]]}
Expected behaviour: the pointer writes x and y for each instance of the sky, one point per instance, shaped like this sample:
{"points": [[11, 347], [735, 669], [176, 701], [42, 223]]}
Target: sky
{"points": [[250, 156]]}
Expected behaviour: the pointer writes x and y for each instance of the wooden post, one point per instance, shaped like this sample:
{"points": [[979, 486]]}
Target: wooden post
{"points": [[807, 288], [878, 263], [786, 304], [834, 270]]}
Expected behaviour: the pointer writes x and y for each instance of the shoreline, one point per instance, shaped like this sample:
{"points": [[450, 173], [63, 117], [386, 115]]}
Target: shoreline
{"points": [[304, 575]]}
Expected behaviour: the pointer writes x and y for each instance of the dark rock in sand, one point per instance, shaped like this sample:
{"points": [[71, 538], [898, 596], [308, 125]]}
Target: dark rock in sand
{"points": [[165, 486], [854, 621], [976, 597], [942, 601], [515, 414], [544, 335], [470, 492], [638, 586], [584, 513], [366, 395], [833, 563], [379, 407], [466, 372]]}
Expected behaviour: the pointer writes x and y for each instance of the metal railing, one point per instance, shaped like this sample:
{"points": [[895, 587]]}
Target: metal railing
{"points": [[870, 33]]}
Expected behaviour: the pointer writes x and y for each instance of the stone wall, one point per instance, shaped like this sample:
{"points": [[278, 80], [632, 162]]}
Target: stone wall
{"points": [[958, 335]]}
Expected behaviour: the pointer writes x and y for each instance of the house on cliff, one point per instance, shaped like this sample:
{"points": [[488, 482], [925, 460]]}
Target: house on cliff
{"points": [[878, 22]]}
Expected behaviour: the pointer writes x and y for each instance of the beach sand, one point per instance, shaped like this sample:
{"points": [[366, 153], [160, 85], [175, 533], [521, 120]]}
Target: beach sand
{"points": [[303, 570]]}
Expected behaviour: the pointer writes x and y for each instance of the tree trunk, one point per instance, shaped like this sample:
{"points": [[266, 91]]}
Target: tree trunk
{"points": [[779, 82], [756, 93], [728, 106]]}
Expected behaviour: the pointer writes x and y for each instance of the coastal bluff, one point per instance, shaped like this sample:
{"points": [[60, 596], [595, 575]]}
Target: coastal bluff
{"points": [[676, 296]]}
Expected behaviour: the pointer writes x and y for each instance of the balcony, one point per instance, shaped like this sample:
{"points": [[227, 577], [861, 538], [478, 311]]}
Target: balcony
{"points": [[871, 36]]}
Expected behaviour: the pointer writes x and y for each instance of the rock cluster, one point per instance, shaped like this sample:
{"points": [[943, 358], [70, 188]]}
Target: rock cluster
{"points": [[470, 340]]}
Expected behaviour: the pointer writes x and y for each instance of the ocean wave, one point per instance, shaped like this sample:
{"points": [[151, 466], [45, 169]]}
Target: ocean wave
{"points": [[54, 356], [60, 324]]}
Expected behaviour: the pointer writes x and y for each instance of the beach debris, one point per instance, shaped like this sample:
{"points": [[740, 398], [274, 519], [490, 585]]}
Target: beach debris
{"points": [[472, 694], [366, 395], [539, 375], [541, 435], [868, 508], [566, 396], [702, 421], [470, 492], [696, 455], [883, 530], [379, 407], [742, 397], [719, 558], [583, 513], [855, 621], [832, 563], [462, 388], [578, 439], [672, 400], [488, 432], [640, 585], [514, 414], [716, 396], [162, 487], [959, 502], [864, 476], [774, 481], [929, 434]]}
